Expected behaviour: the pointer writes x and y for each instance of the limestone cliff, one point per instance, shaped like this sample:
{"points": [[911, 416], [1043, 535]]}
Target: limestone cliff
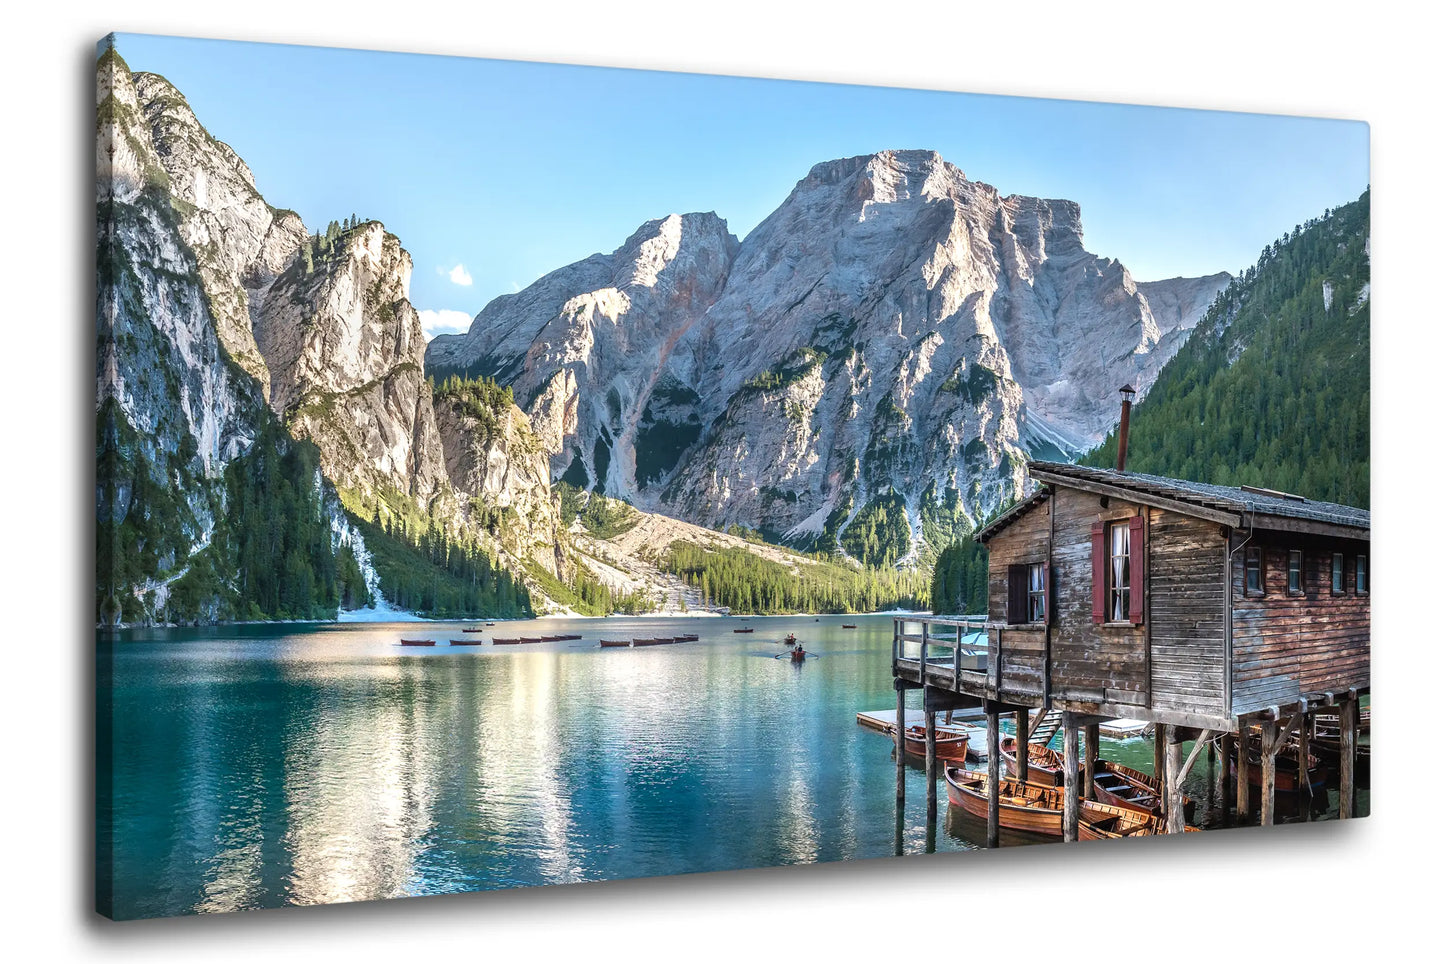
{"points": [[892, 331]]}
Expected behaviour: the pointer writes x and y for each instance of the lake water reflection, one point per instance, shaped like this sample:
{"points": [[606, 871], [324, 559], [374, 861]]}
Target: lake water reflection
{"points": [[258, 766]]}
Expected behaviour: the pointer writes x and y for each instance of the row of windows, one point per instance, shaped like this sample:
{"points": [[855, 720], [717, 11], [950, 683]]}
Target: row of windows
{"points": [[1340, 577]]}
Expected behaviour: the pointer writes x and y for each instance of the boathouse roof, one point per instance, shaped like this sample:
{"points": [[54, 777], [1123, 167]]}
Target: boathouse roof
{"points": [[1240, 507]]}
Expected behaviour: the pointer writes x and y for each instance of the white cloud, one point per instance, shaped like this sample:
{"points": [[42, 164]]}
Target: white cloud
{"points": [[460, 276], [443, 322]]}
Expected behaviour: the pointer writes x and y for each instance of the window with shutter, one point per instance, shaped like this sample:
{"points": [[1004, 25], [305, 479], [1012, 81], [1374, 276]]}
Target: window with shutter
{"points": [[1038, 594], [1016, 598], [1100, 567], [1136, 570]]}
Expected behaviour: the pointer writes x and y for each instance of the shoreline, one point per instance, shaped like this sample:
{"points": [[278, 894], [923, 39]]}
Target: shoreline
{"points": [[402, 616]]}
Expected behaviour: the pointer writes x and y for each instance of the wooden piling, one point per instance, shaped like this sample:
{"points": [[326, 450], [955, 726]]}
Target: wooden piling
{"points": [[1021, 738], [993, 775], [1174, 774], [930, 761], [1071, 777], [1091, 758], [1241, 773], [1161, 741], [1349, 718], [1269, 733], [1226, 750], [900, 724], [1303, 792]]}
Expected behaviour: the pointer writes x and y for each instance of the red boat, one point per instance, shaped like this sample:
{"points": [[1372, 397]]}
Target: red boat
{"points": [[418, 642], [946, 746], [608, 643], [660, 641], [1046, 767], [850, 625], [1122, 786], [465, 642]]}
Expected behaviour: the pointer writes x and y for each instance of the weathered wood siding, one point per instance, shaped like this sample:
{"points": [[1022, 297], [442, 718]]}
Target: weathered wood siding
{"points": [[1186, 614], [1286, 646], [1091, 662], [1024, 542]]}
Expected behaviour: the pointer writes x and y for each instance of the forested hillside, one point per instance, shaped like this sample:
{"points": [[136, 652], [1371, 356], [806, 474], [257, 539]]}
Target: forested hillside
{"points": [[1273, 386]]}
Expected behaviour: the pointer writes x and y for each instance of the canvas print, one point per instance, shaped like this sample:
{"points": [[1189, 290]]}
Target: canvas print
{"points": [[512, 474]]}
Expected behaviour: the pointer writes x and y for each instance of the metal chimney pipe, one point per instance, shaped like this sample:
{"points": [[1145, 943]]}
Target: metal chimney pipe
{"points": [[1127, 393]]}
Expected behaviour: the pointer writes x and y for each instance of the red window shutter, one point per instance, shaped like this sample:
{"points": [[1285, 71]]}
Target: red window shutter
{"points": [[1136, 570], [1101, 565], [1016, 600], [1048, 594]]}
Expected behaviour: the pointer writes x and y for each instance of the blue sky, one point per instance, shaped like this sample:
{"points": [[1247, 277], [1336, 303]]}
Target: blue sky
{"points": [[495, 172]]}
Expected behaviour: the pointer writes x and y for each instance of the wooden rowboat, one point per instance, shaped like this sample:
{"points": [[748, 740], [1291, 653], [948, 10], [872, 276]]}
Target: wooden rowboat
{"points": [[748, 630], [474, 629], [1038, 809], [1286, 770], [1046, 767], [516, 641], [418, 642], [798, 655], [947, 746], [660, 641], [465, 642], [1021, 806], [850, 625], [1125, 787], [607, 643], [688, 638]]}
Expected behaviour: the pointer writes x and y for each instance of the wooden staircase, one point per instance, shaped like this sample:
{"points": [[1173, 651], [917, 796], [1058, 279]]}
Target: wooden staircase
{"points": [[1045, 725]]}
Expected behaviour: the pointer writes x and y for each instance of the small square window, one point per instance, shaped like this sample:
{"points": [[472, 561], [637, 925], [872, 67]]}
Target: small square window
{"points": [[1362, 574], [1296, 572], [1254, 571], [1337, 574]]}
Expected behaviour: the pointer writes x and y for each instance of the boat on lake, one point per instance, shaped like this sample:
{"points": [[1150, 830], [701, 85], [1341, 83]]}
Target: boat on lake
{"points": [[1033, 808], [1046, 766], [609, 643], [464, 642], [659, 641], [688, 638], [1286, 770], [515, 641], [473, 629], [747, 630], [946, 746], [1126, 787], [790, 640], [850, 625], [798, 655], [418, 642]]}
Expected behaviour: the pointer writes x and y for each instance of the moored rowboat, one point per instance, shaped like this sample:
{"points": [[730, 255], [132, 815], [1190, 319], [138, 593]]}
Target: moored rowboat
{"points": [[947, 746], [465, 642], [418, 642], [473, 629], [1038, 809], [748, 630], [1046, 766], [1125, 787], [660, 641], [608, 643]]}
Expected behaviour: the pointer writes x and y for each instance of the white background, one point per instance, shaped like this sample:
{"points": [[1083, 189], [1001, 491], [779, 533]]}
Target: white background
{"points": [[1312, 892]]}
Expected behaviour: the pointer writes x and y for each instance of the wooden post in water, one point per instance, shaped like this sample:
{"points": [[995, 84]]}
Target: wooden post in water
{"points": [[1021, 740], [1174, 772], [1091, 758], [1226, 750], [1241, 774], [1349, 715], [1071, 777], [1268, 737], [1161, 737], [930, 759], [900, 724], [1304, 793], [993, 775]]}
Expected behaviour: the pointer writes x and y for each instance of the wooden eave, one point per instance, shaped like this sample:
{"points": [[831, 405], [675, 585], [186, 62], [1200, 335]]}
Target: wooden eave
{"points": [[1124, 494]]}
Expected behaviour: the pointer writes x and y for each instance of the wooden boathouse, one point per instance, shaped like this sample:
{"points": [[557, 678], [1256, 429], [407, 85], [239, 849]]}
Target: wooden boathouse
{"points": [[1203, 609]]}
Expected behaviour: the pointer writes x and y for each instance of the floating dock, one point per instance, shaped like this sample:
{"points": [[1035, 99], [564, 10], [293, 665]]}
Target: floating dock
{"points": [[882, 721]]}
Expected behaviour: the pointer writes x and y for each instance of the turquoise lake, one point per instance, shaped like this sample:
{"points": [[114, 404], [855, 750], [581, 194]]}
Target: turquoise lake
{"points": [[261, 766]]}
